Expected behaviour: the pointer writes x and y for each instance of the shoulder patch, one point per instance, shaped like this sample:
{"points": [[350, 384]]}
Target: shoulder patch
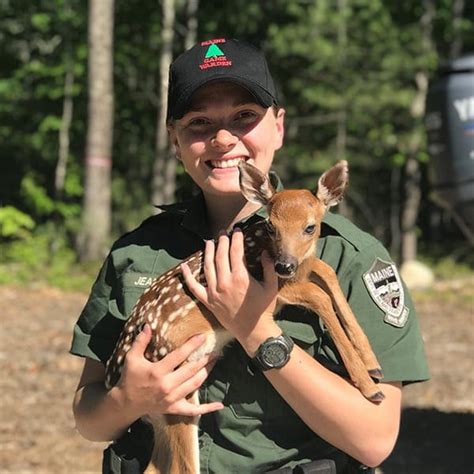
{"points": [[385, 288]]}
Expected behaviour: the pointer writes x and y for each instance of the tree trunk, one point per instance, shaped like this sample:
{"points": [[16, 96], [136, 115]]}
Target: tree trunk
{"points": [[409, 213], [164, 169], [457, 43], [192, 23], [412, 194], [395, 241], [341, 137], [96, 220], [341, 151], [66, 120]]}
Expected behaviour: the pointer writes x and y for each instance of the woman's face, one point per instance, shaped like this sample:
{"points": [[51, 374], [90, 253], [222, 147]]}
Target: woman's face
{"points": [[223, 126]]}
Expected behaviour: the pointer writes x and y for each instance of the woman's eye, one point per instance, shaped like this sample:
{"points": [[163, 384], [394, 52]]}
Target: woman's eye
{"points": [[198, 122], [246, 116], [310, 229]]}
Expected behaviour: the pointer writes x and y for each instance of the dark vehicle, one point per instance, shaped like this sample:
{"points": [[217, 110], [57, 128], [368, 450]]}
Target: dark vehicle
{"points": [[450, 128]]}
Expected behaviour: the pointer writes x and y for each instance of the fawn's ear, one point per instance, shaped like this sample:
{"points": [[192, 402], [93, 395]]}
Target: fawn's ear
{"points": [[333, 183], [255, 186]]}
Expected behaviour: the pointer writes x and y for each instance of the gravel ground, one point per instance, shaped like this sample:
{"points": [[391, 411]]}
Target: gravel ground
{"points": [[38, 379]]}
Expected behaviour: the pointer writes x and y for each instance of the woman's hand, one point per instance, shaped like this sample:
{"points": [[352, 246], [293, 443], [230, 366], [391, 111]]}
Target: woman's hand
{"points": [[243, 305], [161, 387]]}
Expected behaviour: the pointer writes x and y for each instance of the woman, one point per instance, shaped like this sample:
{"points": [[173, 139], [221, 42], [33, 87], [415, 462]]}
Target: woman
{"points": [[223, 109]]}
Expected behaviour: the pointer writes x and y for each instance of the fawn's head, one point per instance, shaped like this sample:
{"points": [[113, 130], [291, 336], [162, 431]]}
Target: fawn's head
{"points": [[294, 216]]}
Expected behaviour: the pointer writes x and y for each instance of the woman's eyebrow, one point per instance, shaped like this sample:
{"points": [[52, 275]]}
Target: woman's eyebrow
{"points": [[237, 103]]}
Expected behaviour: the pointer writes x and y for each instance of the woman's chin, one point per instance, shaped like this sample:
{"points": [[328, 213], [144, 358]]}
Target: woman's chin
{"points": [[224, 173], [223, 189], [224, 181]]}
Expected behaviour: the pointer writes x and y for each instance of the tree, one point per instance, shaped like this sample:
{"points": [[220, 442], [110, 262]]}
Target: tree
{"points": [[97, 192], [164, 169], [412, 175], [192, 8]]}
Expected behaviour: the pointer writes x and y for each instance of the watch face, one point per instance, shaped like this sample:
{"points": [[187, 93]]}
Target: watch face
{"points": [[275, 354]]}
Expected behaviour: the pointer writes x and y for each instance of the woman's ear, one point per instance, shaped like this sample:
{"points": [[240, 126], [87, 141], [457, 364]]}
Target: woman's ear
{"points": [[280, 128], [174, 140]]}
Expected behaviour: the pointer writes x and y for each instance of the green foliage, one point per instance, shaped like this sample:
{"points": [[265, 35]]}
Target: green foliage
{"points": [[44, 257], [447, 268], [14, 223], [35, 197], [345, 72]]}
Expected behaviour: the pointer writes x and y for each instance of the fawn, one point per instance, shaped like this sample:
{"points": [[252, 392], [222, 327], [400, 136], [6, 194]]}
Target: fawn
{"points": [[290, 236]]}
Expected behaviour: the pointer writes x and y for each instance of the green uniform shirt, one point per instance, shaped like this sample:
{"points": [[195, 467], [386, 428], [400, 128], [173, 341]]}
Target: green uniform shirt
{"points": [[257, 431]]}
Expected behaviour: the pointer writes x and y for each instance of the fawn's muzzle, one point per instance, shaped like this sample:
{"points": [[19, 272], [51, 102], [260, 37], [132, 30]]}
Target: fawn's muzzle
{"points": [[285, 269]]}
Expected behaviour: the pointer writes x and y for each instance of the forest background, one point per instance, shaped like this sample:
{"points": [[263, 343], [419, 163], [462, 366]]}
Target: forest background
{"points": [[84, 156], [353, 76]]}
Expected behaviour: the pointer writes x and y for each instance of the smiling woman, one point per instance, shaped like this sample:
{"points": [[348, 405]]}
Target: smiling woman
{"points": [[223, 110], [222, 126]]}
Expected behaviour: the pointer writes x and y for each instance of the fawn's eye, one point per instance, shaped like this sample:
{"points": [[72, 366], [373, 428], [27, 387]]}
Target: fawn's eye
{"points": [[310, 229]]}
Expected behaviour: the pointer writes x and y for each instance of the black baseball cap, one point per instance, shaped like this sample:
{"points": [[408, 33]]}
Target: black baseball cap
{"points": [[219, 60]]}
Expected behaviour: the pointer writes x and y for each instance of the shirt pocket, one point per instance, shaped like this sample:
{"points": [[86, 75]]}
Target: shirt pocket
{"points": [[133, 286], [130, 298]]}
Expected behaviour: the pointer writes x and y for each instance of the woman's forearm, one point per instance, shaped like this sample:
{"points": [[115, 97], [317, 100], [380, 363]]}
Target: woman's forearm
{"points": [[335, 410], [100, 414]]}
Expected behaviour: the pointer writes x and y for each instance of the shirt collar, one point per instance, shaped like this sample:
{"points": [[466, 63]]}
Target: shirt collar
{"points": [[194, 212]]}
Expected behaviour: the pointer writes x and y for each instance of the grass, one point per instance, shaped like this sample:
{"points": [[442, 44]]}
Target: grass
{"points": [[35, 262], [454, 281]]}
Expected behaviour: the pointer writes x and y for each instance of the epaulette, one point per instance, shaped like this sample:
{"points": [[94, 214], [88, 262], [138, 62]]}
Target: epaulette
{"points": [[335, 223]]}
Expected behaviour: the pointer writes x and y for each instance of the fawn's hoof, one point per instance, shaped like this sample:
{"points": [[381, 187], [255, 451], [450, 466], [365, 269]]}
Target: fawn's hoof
{"points": [[376, 374], [377, 397]]}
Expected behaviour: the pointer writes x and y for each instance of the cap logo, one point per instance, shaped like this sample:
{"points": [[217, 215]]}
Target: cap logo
{"points": [[214, 51], [214, 56]]}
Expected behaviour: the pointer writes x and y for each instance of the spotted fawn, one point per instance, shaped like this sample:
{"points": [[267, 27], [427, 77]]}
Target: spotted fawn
{"points": [[290, 236]]}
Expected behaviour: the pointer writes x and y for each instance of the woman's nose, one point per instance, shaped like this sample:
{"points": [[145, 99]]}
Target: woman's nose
{"points": [[224, 140]]}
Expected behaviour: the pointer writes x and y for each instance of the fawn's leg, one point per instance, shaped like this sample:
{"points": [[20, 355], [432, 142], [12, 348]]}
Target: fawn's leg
{"points": [[182, 432], [161, 455], [176, 446], [309, 295], [325, 277]]}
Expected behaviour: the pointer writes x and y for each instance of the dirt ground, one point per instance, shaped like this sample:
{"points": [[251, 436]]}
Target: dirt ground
{"points": [[38, 378]]}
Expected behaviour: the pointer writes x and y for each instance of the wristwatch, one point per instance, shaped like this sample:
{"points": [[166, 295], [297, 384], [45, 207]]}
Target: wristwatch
{"points": [[273, 353]]}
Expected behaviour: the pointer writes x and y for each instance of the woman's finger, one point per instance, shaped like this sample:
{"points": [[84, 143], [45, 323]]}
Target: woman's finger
{"points": [[190, 369], [209, 264], [237, 255], [270, 277], [190, 385], [222, 261], [175, 358], [187, 408], [198, 290], [141, 342]]}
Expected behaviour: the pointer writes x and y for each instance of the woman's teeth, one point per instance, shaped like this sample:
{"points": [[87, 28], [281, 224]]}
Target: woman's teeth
{"points": [[225, 163]]}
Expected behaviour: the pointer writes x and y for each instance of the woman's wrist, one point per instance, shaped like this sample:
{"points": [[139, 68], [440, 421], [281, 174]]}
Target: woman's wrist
{"points": [[260, 333], [128, 408]]}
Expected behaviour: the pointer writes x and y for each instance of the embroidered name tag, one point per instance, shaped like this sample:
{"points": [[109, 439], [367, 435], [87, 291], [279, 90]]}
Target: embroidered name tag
{"points": [[385, 288], [137, 280]]}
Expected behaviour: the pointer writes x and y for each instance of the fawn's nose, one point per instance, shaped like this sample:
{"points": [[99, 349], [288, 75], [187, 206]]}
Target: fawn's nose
{"points": [[285, 269]]}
